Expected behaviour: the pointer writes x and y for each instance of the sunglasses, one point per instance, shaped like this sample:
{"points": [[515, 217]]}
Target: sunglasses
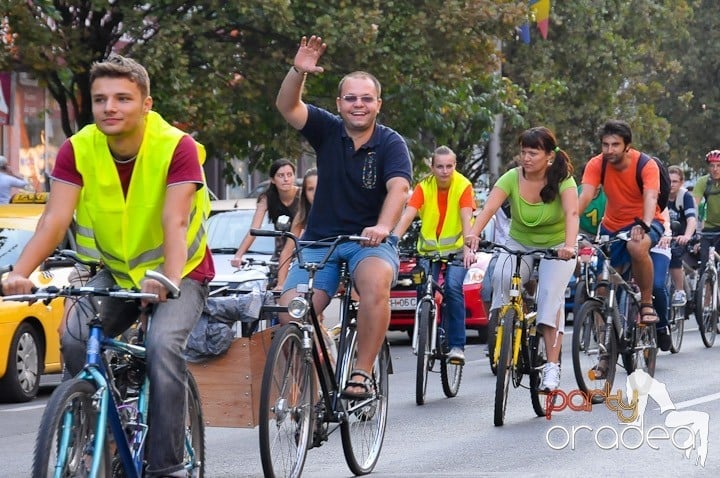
{"points": [[353, 98]]}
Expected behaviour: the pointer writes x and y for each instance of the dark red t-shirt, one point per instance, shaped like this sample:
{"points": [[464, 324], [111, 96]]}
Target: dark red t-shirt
{"points": [[184, 168]]}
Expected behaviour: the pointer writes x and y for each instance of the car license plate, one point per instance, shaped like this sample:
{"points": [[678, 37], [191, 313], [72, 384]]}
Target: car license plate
{"points": [[402, 303]]}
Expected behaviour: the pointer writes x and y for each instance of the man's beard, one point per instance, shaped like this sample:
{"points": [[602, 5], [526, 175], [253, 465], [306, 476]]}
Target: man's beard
{"points": [[613, 158]]}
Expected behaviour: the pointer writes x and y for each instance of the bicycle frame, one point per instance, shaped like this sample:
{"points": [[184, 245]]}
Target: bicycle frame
{"points": [[427, 286], [96, 371]]}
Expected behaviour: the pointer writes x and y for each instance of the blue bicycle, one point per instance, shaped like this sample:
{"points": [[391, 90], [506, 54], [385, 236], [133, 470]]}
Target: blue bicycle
{"points": [[95, 424]]}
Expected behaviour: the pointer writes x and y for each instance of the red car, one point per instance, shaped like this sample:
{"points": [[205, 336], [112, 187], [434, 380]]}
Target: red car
{"points": [[403, 297]]}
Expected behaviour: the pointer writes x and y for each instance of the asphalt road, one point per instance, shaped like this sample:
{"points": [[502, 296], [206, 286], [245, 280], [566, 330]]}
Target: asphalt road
{"points": [[456, 437]]}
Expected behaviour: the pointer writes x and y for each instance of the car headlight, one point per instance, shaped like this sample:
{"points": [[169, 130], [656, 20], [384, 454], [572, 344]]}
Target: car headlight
{"points": [[298, 307], [474, 275]]}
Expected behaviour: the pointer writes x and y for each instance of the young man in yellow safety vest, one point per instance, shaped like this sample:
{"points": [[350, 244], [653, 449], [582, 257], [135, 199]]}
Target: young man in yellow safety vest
{"points": [[137, 190]]}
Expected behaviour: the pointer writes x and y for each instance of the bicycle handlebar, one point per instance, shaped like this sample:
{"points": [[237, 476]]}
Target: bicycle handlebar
{"points": [[488, 245], [331, 242]]}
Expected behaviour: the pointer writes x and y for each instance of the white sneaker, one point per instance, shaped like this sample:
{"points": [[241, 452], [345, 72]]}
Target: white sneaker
{"points": [[456, 356], [679, 299], [551, 377]]}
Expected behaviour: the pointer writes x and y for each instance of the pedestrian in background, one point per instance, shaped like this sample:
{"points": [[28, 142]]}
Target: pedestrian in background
{"points": [[8, 181]]}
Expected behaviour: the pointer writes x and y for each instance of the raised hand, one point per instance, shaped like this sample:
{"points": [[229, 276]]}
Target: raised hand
{"points": [[308, 55]]}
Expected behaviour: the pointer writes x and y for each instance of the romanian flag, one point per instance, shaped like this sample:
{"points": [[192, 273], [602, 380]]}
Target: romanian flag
{"points": [[541, 12]]}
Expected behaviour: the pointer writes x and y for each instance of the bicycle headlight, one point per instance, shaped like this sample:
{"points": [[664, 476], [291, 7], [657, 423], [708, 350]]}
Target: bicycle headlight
{"points": [[298, 307]]}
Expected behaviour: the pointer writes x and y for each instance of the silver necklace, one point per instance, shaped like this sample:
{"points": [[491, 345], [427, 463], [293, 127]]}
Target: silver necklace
{"points": [[123, 161]]}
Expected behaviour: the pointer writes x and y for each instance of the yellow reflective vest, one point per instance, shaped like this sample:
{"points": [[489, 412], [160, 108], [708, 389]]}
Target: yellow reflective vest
{"points": [[450, 239], [126, 234]]}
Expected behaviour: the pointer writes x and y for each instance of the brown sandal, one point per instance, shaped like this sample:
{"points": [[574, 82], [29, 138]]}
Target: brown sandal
{"points": [[646, 317]]}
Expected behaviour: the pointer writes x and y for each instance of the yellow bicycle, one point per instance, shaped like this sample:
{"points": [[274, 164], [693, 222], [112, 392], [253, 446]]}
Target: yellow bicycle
{"points": [[519, 348]]}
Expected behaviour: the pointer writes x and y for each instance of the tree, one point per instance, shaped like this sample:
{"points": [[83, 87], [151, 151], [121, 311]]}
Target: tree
{"points": [[601, 60], [216, 66]]}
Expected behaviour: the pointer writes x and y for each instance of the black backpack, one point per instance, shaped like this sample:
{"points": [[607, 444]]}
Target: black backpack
{"points": [[664, 193]]}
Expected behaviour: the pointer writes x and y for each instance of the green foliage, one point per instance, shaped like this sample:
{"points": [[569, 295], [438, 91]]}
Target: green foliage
{"points": [[216, 66], [612, 59]]}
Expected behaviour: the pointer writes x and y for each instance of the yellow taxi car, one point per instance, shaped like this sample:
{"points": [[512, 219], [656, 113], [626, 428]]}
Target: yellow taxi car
{"points": [[29, 338]]}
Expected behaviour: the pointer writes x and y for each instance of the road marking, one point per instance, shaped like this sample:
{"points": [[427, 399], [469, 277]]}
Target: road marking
{"points": [[22, 409], [696, 401]]}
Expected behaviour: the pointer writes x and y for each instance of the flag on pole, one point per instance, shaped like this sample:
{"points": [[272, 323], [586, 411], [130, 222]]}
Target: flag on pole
{"points": [[541, 11]]}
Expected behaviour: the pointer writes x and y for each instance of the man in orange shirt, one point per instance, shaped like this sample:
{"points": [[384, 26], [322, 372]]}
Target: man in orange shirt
{"points": [[444, 201], [629, 208]]}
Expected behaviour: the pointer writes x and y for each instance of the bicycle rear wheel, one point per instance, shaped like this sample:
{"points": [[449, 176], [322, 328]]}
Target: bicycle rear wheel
{"points": [[363, 430], [194, 431], [644, 355], [504, 366], [594, 355], [286, 404], [424, 351], [65, 441], [706, 312], [538, 358], [492, 335]]}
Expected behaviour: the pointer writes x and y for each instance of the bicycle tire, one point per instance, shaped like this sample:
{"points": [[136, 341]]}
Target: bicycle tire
{"points": [[588, 343], [194, 431], [677, 328], [363, 429], [423, 351], [71, 403], [538, 358], [286, 404], [450, 376], [504, 366], [644, 353], [492, 334], [706, 313], [581, 296]]}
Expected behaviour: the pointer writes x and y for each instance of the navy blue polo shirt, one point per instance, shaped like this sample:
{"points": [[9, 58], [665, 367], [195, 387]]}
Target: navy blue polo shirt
{"points": [[351, 184]]}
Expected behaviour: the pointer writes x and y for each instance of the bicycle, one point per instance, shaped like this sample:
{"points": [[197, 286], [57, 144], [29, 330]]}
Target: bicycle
{"points": [[706, 295], [678, 314], [608, 325], [95, 424], [429, 341], [294, 415], [519, 349]]}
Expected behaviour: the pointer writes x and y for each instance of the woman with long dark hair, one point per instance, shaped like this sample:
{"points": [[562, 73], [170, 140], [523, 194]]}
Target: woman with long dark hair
{"points": [[280, 199], [543, 203]]}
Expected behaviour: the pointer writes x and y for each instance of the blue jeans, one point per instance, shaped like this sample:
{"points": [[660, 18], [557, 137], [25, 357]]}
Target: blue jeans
{"points": [[453, 307], [661, 299], [171, 324]]}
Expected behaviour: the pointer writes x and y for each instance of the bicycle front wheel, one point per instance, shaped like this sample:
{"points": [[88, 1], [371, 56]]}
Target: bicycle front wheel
{"points": [[194, 431], [363, 429], [594, 355], [706, 312], [450, 376], [677, 328], [65, 441], [504, 366], [424, 325], [286, 404]]}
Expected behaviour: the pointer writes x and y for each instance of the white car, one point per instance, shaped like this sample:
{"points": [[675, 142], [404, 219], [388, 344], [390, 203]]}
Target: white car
{"points": [[226, 231]]}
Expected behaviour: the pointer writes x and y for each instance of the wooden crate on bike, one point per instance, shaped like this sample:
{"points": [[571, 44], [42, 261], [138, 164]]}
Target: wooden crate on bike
{"points": [[230, 384]]}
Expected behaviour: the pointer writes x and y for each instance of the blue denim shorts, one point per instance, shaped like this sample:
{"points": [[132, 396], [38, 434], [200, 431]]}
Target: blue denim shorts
{"points": [[327, 279], [619, 254]]}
